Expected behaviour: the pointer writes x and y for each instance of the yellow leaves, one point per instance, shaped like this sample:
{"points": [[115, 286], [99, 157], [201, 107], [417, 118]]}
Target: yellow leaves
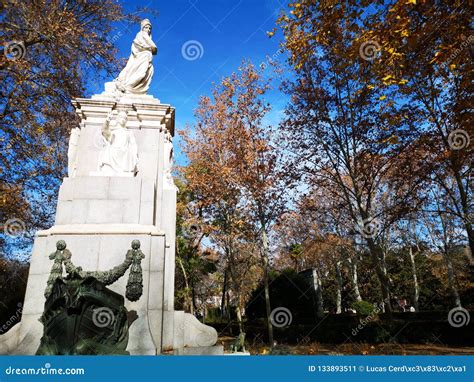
{"points": [[370, 87], [381, 98], [271, 33], [411, 2], [402, 82], [435, 58], [452, 67], [405, 33], [387, 80], [393, 139]]}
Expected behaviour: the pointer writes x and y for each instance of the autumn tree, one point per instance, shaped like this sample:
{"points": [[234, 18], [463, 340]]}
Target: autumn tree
{"points": [[217, 199], [258, 162], [235, 161], [340, 123], [50, 51], [423, 52]]}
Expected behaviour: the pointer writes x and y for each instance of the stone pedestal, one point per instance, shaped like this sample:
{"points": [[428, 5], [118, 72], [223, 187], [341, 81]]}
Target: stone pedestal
{"points": [[99, 216]]}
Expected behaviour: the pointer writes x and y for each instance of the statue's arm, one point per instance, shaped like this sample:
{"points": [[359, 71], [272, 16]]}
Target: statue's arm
{"points": [[148, 42], [106, 128]]}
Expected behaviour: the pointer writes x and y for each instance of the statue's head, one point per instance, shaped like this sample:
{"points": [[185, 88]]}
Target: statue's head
{"points": [[122, 118], [136, 244], [146, 26], [61, 245]]}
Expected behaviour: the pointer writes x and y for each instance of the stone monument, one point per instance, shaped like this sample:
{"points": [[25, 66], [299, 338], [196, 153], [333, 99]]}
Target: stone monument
{"points": [[119, 189]]}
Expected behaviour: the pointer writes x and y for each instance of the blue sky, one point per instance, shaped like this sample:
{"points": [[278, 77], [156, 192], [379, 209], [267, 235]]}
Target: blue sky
{"points": [[227, 30]]}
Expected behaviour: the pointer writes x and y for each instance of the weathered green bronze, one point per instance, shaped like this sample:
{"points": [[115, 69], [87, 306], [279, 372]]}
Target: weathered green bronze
{"points": [[82, 316], [238, 345]]}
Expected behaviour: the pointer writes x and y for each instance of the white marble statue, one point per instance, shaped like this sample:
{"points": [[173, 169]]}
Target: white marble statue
{"points": [[168, 158], [135, 78], [72, 151], [119, 155]]}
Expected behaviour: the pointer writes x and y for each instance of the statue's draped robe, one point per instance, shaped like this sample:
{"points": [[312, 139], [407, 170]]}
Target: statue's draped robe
{"points": [[120, 153], [137, 74]]}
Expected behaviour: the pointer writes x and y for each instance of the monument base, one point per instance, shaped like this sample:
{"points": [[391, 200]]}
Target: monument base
{"points": [[153, 330], [203, 350], [99, 215]]}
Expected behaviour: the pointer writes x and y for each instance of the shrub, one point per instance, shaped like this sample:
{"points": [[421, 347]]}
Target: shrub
{"points": [[363, 308]]}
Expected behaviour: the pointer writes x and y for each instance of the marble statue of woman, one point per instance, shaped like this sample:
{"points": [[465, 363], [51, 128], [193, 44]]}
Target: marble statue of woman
{"points": [[135, 78], [119, 155]]}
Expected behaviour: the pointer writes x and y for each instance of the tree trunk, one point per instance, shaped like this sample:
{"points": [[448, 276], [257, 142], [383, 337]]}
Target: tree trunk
{"points": [[319, 294], [452, 279], [193, 294], [376, 254], [416, 287], [229, 310], [266, 277], [355, 282], [224, 291], [187, 299], [465, 208], [339, 288], [239, 314]]}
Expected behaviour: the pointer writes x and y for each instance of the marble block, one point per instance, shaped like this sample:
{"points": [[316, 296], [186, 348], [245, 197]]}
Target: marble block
{"points": [[203, 350], [98, 217], [96, 200], [102, 250]]}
